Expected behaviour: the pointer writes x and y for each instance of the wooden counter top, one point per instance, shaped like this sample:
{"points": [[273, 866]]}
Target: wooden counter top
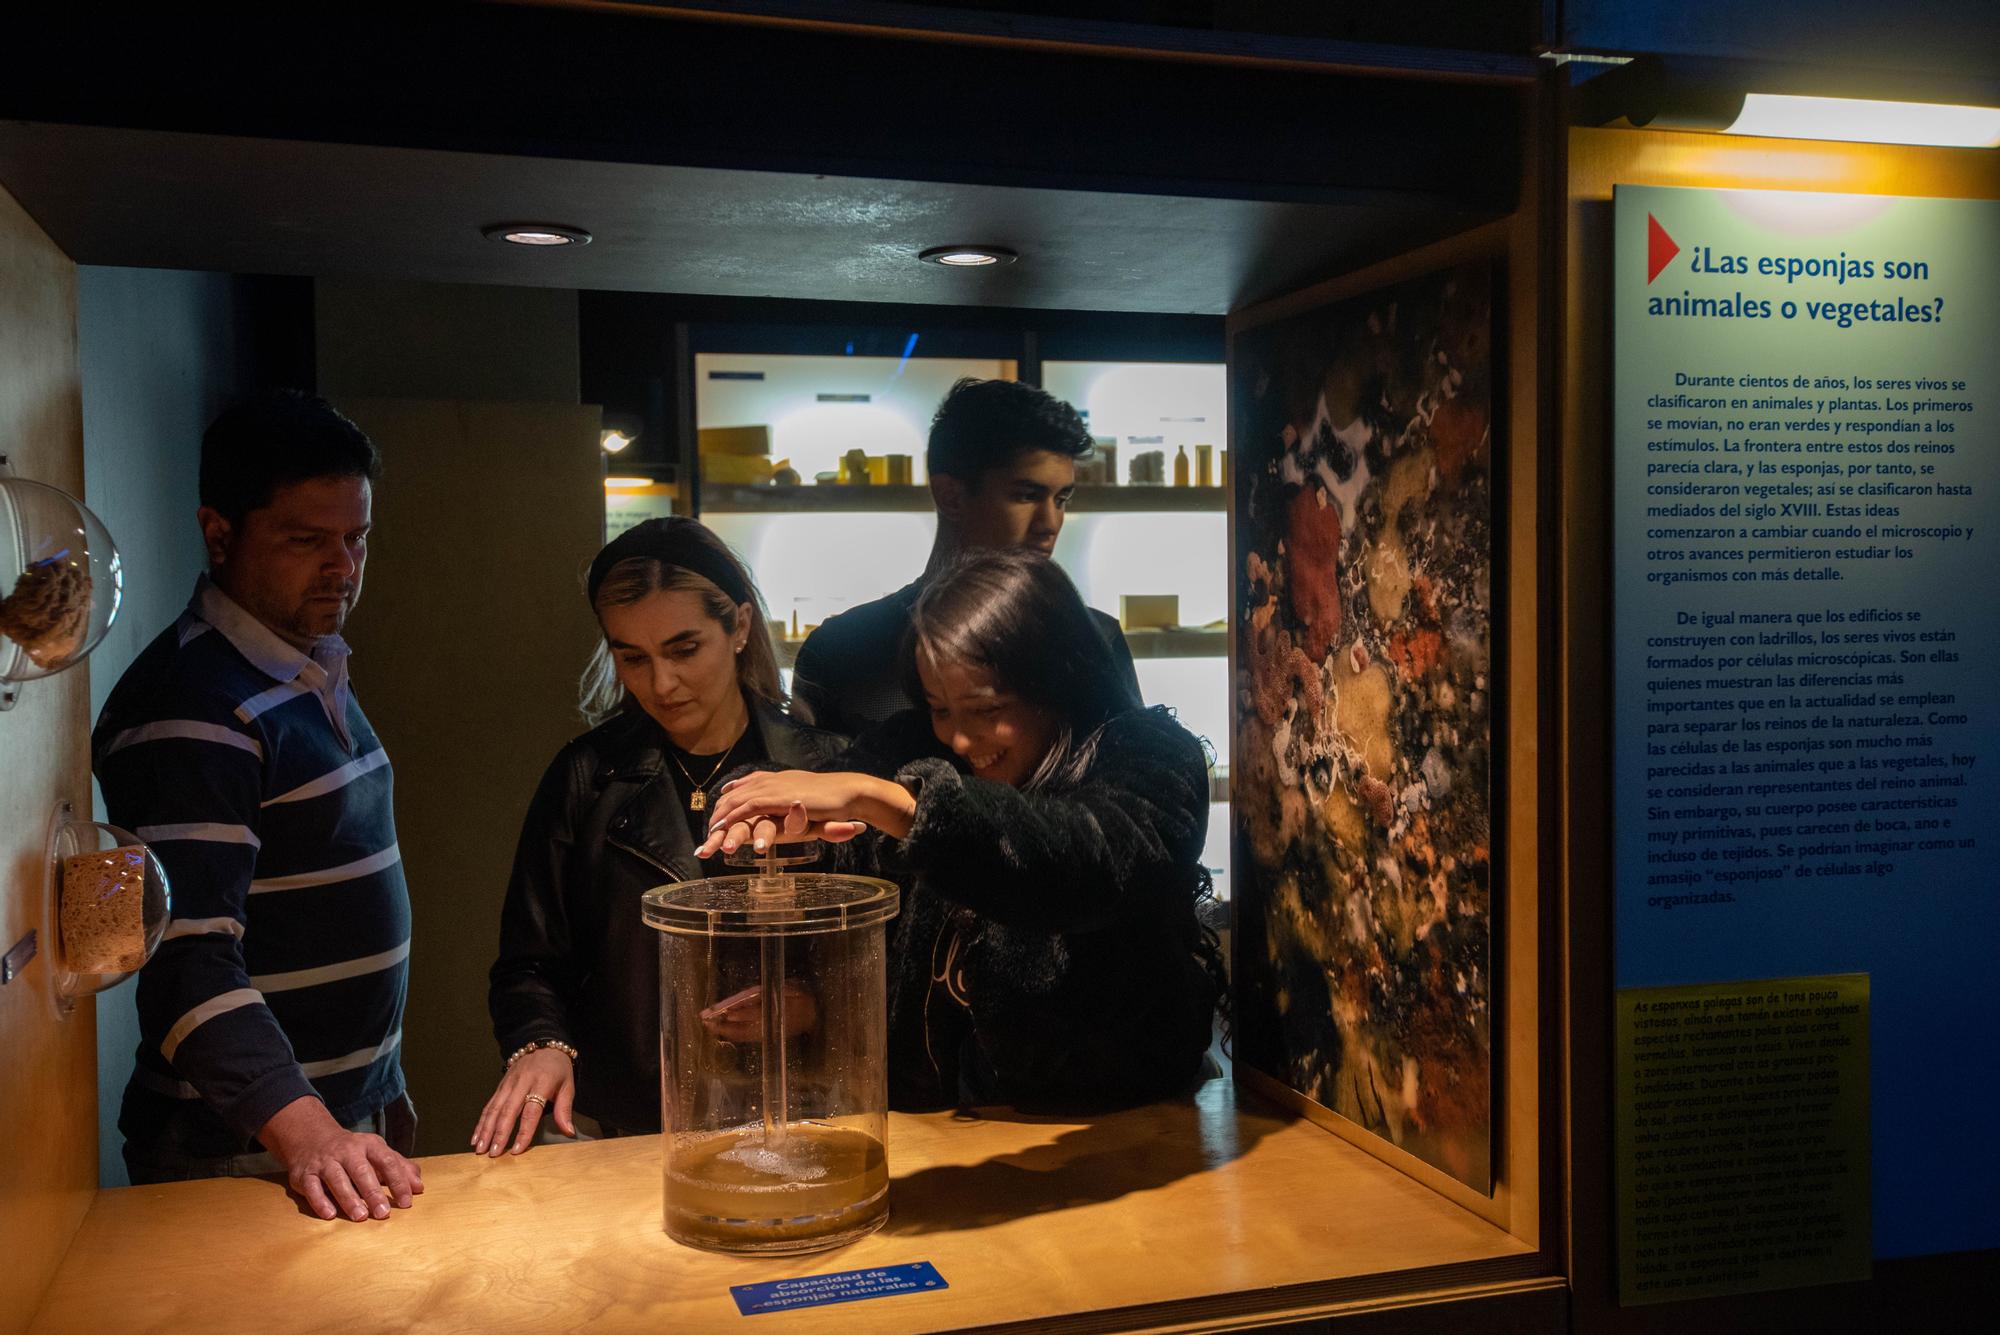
{"points": [[1195, 1211]]}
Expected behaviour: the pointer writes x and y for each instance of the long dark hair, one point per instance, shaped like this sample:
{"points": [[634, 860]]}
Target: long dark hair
{"points": [[1016, 614]]}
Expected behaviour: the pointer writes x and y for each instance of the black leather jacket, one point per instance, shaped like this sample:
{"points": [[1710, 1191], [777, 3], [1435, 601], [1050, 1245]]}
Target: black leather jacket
{"points": [[577, 962]]}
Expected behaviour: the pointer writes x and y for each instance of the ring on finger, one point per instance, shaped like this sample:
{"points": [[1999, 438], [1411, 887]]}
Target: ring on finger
{"points": [[538, 1099]]}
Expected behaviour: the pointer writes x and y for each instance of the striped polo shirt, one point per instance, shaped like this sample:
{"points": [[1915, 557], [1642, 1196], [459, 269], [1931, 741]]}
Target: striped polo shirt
{"points": [[248, 767]]}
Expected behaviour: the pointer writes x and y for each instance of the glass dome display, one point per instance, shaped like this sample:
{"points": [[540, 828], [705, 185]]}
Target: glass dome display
{"points": [[773, 1079], [108, 905], [60, 581]]}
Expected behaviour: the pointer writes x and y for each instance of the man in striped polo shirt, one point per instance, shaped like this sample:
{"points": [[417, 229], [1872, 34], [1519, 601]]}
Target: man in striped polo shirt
{"points": [[273, 1012]]}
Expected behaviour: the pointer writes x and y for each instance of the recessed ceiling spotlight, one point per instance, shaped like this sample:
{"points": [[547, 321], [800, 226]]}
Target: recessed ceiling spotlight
{"points": [[536, 234], [967, 257]]}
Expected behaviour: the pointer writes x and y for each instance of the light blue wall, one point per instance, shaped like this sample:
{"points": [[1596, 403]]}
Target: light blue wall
{"points": [[160, 352]]}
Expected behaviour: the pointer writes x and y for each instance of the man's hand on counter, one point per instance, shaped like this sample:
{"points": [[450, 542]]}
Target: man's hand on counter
{"points": [[337, 1171]]}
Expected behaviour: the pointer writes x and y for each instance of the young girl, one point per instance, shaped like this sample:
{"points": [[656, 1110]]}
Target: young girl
{"points": [[1046, 830]]}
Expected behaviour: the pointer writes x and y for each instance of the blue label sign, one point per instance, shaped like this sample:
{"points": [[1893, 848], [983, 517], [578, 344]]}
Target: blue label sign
{"points": [[843, 1286]]}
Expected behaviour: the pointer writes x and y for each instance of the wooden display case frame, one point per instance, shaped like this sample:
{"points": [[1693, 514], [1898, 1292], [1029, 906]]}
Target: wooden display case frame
{"points": [[1524, 1200]]}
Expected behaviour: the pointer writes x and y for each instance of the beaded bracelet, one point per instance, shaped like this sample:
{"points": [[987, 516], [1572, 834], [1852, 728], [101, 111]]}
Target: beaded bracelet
{"points": [[537, 1045]]}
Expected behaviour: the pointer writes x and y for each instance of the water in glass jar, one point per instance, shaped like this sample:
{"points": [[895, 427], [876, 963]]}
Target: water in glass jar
{"points": [[738, 1190]]}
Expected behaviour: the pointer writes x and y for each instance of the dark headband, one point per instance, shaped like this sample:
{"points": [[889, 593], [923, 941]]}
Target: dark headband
{"points": [[675, 541]]}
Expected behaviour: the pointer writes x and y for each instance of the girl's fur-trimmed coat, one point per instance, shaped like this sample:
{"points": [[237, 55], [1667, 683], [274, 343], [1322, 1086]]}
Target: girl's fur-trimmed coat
{"points": [[1048, 949]]}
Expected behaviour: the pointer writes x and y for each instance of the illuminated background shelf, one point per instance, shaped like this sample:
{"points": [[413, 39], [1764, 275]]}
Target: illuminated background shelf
{"points": [[818, 550], [1177, 643], [721, 499], [1180, 642]]}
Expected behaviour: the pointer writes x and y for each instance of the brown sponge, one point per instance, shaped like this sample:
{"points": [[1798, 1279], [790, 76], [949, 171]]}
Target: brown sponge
{"points": [[104, 910], [48, 613]]}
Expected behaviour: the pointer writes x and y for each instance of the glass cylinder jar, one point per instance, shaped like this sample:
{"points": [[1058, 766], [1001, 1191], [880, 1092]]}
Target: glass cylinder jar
{"points": [[61, 580], [773, 1071], [106, 910]]}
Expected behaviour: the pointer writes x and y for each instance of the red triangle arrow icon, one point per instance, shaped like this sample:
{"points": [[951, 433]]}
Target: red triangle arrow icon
{"points": [[1660, 248]]}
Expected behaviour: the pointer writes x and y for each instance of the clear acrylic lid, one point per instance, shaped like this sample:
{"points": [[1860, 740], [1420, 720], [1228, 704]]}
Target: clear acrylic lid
{"points": [[801, 905]]}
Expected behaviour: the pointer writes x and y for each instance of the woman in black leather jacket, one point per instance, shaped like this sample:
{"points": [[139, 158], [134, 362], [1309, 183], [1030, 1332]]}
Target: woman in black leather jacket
{"points": [[686, 683], [1047, 831]]}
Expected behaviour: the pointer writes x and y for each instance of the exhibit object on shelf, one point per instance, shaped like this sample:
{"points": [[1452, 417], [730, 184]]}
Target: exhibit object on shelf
{"points": [[773, 1082], [750, 441], [741, 470], [1149, 611], [1362, 763], [1100, 467], [106, 905], [61, 581]]}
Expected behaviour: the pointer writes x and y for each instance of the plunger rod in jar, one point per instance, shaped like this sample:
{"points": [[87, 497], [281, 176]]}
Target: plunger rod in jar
{"points": [[771, 962]]}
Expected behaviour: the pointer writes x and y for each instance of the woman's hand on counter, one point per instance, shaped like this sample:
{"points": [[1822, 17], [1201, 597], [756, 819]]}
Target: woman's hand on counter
{"points": [[782, 806], [544, 1078], [337, 1171]]}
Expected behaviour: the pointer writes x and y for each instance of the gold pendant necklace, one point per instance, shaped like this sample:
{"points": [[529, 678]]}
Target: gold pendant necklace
{"points": [[698, 800]]}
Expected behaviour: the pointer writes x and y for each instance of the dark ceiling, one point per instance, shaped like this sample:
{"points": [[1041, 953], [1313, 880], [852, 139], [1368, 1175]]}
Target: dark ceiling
{"points": [[736, 160], [147, 198]]}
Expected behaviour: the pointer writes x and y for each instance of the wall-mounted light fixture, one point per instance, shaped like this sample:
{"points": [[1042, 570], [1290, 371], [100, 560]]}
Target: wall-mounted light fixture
{"points": [[1860, 120], [618, 432], [1649, 94], [536, 234], [967, 257]]}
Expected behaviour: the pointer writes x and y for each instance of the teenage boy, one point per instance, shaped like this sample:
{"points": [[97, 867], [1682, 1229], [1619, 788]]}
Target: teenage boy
{"points": [[1002, 463]]}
